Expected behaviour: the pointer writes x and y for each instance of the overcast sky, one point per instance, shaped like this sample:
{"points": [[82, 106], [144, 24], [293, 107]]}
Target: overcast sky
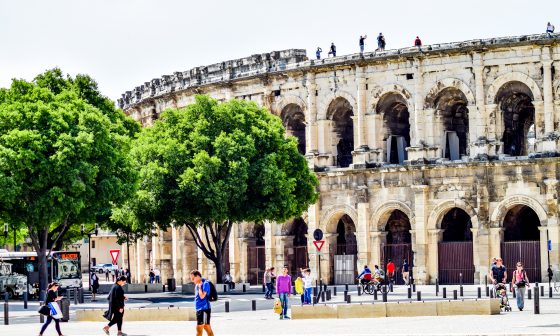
{"points": [[123, 43]]}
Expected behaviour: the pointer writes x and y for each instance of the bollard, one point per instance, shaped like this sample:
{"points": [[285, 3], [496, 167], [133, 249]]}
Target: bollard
{"points": [[486, 281], [314, 291], [537, 304], [325, 287], [461, 279], [514, 294], [491, 294], [375, 294], [263, 288], [454, 294], [444, 293], [409, 292], [479, 293], [419, 296], [75, 293], [315, 300], [529, 294], [414, 287], [145, 288], [244, 288], [549, 292], [542, 291], [487, 291], [225, 288], [345, 295], [334, 291], [461, 290], [163, 288], [359, 290], [391, 287], [328, 295], [41, 316], [81, 295], [6, 319], [437, 287], [253, 305], [348, 299], [346, 287], [24, 300], [323, 298], [384, 296], [227, 306]]}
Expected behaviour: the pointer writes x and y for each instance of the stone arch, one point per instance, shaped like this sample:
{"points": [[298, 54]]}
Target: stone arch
{"points": [[287, 226], [497, 217], [286, 100], [445, 83], [294, 121], [436, 215], [379, 92], [330, 218], [383, 212], [322, 114], [493, 89]]}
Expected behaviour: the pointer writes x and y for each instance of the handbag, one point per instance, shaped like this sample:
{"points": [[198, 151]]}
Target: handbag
{"points": [[106, 315], [56, 313], [44, 310]]}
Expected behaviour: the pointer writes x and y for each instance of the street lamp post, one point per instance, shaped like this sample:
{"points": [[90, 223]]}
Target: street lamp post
{"points": [[95, 231]]}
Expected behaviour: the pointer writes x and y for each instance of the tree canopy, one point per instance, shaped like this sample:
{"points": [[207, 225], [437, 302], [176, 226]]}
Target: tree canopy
{"points": [[63, 156], [213, 164]]}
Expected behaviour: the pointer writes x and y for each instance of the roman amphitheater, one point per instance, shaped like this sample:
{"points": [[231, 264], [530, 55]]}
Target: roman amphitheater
{"points": [[445, 156]]}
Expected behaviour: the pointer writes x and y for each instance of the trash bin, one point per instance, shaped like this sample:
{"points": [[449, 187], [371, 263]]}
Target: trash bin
{"points": [[171, 285], [65, 308]]}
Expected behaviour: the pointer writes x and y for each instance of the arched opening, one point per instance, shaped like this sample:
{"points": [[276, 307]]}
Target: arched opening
{"points": [[515, 100], [340, 112], [295, 252], [396, 124], [256, 254], [344, 253], [522, 240], [398, 245], [455, 250], [451, 107], [293, 119]]}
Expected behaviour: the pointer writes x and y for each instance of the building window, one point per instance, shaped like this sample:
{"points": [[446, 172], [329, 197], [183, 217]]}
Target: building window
{"points": [[92, 243]]}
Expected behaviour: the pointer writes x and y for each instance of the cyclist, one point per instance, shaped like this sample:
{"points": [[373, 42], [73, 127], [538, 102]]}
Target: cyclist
{"points": [[365, 276]]}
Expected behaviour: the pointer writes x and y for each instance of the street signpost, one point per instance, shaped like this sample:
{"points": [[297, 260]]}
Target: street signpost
{"points": [[319, 242], [114, 255]]}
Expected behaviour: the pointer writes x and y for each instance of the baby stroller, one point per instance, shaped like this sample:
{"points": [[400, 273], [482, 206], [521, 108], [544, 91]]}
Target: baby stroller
{"points": [[501, 293]]}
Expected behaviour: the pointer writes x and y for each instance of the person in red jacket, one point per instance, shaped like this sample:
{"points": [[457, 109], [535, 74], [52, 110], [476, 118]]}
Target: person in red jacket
{"points": [[417, 42], [390, 270]]}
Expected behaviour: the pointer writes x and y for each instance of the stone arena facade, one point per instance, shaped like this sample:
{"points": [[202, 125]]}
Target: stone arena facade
{"points": [[445, 156]]}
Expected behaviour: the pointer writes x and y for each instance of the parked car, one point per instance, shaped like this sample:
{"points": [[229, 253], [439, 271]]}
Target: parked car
{"points": [[100, 268]]}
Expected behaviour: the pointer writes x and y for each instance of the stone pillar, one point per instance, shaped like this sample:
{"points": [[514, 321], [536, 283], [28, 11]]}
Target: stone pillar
{"points": [[494, 241], [140, 261], [374, 136], [481, 256], [311, 129], [244, 257], [324, 131], [549, 144], [419, 233], [183, 257], [270, 243], [283, 246], [175, 270], [362, 238], [360, 129], [544, 251], [378, 239], [235, 253], [434, 237], [417, 130]]}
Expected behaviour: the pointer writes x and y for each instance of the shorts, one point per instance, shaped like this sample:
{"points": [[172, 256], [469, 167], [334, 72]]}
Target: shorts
{"points": [[203, 316]]}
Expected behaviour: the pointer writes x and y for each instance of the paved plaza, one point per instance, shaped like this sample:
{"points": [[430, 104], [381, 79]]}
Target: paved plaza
{"points": [[242, 321]]}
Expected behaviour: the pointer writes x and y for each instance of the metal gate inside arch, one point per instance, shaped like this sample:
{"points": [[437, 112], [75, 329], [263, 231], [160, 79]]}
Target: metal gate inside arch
{"points": [[455, 249]]}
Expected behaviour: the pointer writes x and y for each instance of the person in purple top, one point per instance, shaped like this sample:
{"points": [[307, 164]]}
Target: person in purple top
{"points": [[284, 290]]}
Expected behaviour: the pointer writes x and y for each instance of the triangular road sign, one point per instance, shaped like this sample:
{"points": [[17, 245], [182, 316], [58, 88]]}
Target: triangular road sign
{"points": [[319, 244], [114, 255]]}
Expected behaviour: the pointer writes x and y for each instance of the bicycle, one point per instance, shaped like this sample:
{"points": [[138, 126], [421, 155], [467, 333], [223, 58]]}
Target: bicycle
{"points": [[370, 286]]}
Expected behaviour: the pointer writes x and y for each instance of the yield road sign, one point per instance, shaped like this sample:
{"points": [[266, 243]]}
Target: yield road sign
{"points": [[319, 244], [114, 255]]}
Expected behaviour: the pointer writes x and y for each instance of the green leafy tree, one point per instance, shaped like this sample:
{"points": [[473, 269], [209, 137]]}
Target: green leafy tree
{"points": [[210, 165], [63, 158]]}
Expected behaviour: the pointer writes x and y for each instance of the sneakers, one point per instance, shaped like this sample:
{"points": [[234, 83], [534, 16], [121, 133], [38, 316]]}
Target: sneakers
{"points": [[281, 317], [286, 317], [106, 330]]}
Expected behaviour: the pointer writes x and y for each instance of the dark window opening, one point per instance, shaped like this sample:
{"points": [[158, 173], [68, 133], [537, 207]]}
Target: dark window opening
{"points": [[293, 119], [457, 226], [340, 111]]}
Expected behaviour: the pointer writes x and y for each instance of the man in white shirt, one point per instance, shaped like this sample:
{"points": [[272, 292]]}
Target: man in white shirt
{"points": [[157, 274], [549, 29]]}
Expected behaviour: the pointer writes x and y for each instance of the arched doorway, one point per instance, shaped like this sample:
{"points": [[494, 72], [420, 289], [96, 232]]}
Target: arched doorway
{"points": [[295, 254], [256, 255], [455, 250], [522, 240], [345, 252], [451, 108], [293, 119], [340, 112], [396, 125], [515, 101], [398, 243]]}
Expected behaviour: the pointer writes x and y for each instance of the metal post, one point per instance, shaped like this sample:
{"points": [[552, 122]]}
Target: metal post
{"points": [[375, 294], [334, 291], [491, 293], [348, 299], [345, 295], [315, 300], [537, 304], [323, 296], [542, 291], [75, 293], [461, 290], [227, 306], [529, 296], [41, 316], [486, 281], [461, 279], [6, 318], [414, 287], [437, 287], [359, 290], [419, 296], [444, 292], [454, 294], [314, 291], [514, 294], [346, 287], [487, 291], [244, 288], [328, 295], [253, 305], [479, 293], [384, 296], [24, 300], [409, 290], [549, 292]]}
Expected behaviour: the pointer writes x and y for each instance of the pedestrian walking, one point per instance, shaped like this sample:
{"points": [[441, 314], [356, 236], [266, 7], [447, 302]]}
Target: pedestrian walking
{"points": [[406, 272], [332, 50], [127, 274], [152, 276], [380, 42], [362, 43], [498, 273], [115, 313], [418, 43], [268, 275], [202, 303], [157, 274], [318, 53], [390, 270], [549, 29], [307, 284], [107, 275], [94, 286], [52, 296], [284, 290], [520, 283], [115, 274]]}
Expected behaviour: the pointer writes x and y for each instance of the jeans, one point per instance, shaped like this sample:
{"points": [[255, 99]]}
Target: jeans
{"points": [[361, 48], [549, 32], [284, 300], [268, 292], [307, 295], [520, 297], [47, 322]]}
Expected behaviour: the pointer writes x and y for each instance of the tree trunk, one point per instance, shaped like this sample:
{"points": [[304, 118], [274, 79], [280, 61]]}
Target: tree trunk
{"points": [[42, 259], [219, 267]]}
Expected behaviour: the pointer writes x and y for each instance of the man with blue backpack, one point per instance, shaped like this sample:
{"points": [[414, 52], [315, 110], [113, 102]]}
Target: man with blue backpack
{"points": [[204, 293]]}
